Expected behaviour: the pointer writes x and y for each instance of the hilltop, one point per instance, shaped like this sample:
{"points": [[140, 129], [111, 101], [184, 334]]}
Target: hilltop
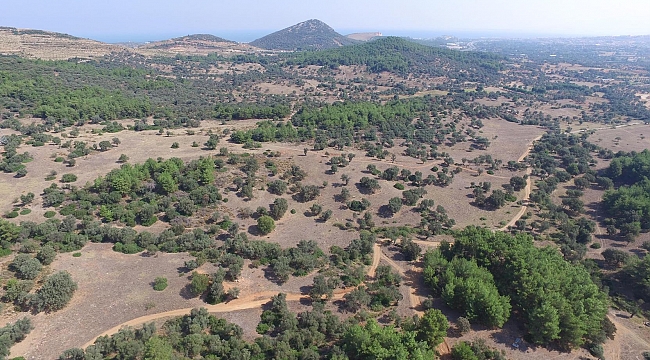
{"points": [[365, 36], [310, 34], [196, 44], [50, 45]]}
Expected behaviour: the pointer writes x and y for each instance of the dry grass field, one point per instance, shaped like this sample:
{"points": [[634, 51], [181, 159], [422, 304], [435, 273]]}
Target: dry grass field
{"points": [[51, 46]]}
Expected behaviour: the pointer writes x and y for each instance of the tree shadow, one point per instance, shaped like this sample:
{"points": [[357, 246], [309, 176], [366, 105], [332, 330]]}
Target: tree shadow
{"points": [[186, 293], [253, 230], [384, 212], [364, 190]]}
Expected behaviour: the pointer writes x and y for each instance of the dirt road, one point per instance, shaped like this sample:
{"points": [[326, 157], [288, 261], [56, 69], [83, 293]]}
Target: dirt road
{"points": [[251, 301], [527, 189]]}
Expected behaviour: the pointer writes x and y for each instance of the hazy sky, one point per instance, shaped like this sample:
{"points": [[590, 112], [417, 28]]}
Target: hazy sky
{"points": [[244, 20]]}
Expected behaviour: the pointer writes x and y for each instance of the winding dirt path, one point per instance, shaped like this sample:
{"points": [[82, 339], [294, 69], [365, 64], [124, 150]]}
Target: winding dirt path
{"points": [[527, 189], [251, 301]]}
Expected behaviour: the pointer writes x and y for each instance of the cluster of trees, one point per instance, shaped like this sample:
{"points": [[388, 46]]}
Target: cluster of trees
{"points": [[476, 350], [297, 261], [59, 90], [466, 287], [434, 221], [12, 161], [12, 334], [380, 293], [242, 111], [486, 273], [55, 293], [313, 334], [637, 273], [151, 189], [628, 206]]}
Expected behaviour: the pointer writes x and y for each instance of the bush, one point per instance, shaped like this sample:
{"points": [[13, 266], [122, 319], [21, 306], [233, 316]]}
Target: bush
{"points": [[265, 224], [160, 284], [56, 292], [46, 255], [463, 325], [26, 267], [11, 215], [68, 178], [596, 350], [130, 248], [399, 186], [25, 211], [175, 145], [199, 284], [49, 214], [77, 254], [59, 159]]}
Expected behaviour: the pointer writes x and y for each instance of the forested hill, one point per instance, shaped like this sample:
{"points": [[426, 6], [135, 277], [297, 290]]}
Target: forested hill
{"points": [[402, 56], [307, 35]]}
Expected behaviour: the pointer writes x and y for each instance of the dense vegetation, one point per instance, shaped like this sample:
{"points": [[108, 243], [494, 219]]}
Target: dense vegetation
{"points": [[556, 300], [398, 55], [14, 333], [314, 334], [628, 206]]}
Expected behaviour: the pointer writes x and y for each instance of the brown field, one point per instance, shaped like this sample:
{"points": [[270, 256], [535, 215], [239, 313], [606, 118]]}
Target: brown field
{"points": [[628, 138], [109, 280]]}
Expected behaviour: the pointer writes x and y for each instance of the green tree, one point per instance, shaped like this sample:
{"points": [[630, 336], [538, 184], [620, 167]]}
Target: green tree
{"points": [[27, 198], [26, 267], [279, 208], [432, 327], [615, 257], [394, 205], [56, 292], [157, 348], [105, 145], [265, 224], [199, 284], [46, 254], [212, 142]]}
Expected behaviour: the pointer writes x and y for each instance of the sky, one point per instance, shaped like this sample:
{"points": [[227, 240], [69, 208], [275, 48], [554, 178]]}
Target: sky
{"points": [[245, 20]]}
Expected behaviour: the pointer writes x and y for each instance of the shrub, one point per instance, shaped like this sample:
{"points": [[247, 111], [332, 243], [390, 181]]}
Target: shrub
{"points": [[265, 224], [11, 214], [59, 159], [175, 145], [46, 255], [463, 325], [26, 267], [56, 292], [25, 211], [77, 254], [399, 186], [49, 214], [199, 284], [68, 178], [160, 284]]}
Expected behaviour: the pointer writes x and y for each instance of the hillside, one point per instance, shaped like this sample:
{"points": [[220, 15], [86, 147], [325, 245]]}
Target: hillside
{"points": [[366, 36], [196, 44], [308, 35], [50, 45], [401, 56]]}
